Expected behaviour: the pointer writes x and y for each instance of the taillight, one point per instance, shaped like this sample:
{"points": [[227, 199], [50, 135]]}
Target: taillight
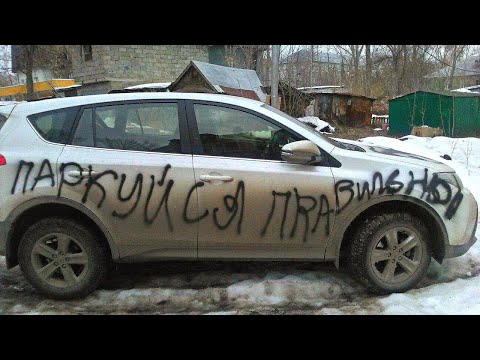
{"points": [[3, 161]]}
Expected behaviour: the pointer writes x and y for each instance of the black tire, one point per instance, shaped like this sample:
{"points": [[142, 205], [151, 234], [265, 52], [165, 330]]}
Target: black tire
{"points": [[95, 251], [365, 242]]}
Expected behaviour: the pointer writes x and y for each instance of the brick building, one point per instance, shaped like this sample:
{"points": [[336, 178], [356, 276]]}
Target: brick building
{"points": [[101, 68]]}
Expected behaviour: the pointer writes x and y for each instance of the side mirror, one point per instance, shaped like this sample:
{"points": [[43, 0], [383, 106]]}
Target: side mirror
{"points": [[301, 152]]}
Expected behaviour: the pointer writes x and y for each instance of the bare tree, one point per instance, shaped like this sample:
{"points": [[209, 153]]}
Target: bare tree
{"points": [[6, 77], [309, 65], [29, 53], [467, 152], [453, 146], [380, 71], [351, 55], [244, 56], [368, 68], [52, 57], [456, 52]]}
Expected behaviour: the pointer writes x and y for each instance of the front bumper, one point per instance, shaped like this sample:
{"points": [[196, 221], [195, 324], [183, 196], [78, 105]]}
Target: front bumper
{"points": [[458, 250]]}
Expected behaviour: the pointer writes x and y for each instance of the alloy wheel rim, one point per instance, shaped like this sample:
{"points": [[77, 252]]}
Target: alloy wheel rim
{"points": [[59, 260], [396, 255]]}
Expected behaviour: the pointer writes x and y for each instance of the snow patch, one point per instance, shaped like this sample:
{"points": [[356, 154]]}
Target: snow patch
{"points": [[319, 125], [149, 86]]}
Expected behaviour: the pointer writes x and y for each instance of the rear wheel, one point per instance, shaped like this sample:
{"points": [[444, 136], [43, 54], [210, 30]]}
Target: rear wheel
{"points": [[62, 258], [390, 252]]}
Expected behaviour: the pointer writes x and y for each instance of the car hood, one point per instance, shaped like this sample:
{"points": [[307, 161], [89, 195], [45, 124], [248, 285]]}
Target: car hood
{"points": [[383, 153]]}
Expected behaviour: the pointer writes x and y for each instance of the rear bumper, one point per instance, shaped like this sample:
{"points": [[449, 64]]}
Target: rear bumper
{"points": [[458, 250]]}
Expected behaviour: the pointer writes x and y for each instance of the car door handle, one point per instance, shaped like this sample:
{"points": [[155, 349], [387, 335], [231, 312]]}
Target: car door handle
{"points": [[208, 178], [80, 174]]}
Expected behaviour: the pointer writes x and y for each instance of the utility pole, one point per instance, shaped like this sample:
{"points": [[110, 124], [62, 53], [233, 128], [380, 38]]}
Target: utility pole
{"points": [[274, 78], [28, 54], [312, 61]]}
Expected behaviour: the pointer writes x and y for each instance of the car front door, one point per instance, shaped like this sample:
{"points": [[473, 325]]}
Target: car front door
{"points": [[251, 203], [130, 163]]}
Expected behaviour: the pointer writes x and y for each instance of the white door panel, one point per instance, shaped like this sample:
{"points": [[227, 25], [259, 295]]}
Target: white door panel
{"points": [[130, 166], [139, 197], [262, 209]]}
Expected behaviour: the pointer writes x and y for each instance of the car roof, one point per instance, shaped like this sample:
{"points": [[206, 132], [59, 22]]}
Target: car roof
{"points": [[58, 103]]}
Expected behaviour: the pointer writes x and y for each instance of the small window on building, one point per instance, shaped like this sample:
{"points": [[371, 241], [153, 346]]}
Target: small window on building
{"points": [[87, 52]]}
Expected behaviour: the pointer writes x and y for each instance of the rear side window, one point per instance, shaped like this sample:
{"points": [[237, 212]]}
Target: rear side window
{"points": [[55, 126], [3, 120], [152, 127]]}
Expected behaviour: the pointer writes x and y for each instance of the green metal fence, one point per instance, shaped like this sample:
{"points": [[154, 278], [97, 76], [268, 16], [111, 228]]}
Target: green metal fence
{"points": [[458, 114]]}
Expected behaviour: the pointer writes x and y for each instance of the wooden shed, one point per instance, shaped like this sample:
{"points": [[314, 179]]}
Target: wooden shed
{"points": [[293, 101], [216, 79], [340, 106]]}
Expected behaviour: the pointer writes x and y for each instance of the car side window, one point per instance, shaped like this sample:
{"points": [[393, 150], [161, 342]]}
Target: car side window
{"points": [[84, 132], [235, 133], [142, 127], [3, 120], [55, 126]]}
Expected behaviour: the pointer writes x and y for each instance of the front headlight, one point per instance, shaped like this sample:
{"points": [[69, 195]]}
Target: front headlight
{"points": [[451, 178]]}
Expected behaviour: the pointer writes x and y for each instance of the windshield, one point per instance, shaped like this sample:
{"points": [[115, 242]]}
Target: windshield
{"points": [[306, 127]]}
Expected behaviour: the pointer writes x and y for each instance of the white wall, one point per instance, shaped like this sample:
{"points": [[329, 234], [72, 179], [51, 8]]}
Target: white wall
{"points": [[38, 75]]}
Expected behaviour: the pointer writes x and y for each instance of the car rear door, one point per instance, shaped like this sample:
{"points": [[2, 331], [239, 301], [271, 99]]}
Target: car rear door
{"points": [[251, 203], [131, 164]]}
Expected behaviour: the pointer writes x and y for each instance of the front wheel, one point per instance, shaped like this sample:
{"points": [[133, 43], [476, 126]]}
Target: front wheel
{"points": [[62, 258], [390, 252]]}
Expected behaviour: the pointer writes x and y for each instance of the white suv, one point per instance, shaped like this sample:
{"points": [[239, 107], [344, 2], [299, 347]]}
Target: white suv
{"points": [[89, 181]]}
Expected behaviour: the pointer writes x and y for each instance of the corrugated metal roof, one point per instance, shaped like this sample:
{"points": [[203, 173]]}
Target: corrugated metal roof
{"points": [[320, 87], [231, 78], [337, 90], [469, 89], [444, 93], [162, 85], [62, 88], [249, 94]]}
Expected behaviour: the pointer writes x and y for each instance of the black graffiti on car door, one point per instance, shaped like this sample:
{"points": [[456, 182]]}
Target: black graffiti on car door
{"points": [[164, 200], [137, 187], [432, 189], [234, 205]]}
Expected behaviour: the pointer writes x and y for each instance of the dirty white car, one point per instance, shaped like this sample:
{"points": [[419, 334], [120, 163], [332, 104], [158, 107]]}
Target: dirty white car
{"points": [[91, 181]]}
